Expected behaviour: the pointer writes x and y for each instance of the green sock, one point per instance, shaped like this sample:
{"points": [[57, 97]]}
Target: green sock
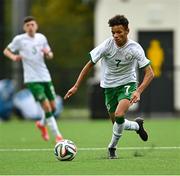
{"points": [[119, 120], [48, 114]]}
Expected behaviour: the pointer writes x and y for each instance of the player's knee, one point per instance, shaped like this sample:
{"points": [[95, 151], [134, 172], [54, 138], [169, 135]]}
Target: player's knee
{"points": [[119, 114]]}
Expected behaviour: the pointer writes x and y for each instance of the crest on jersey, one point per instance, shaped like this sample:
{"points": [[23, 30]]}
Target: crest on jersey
{"points": [[128, 57]]}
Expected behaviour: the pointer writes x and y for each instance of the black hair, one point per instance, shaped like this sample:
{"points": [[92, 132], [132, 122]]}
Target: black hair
{"points": [[28, 19], [118, 20]]}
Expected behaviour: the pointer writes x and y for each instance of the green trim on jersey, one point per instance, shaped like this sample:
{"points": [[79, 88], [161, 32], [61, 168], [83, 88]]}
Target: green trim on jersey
{"points": [[146, 65], [114, 95], [90, 58], [16, 52], [42, 90]]}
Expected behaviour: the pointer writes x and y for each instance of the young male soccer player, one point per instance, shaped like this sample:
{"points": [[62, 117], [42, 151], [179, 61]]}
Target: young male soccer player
{"points": [[119, 56], [32, 48]]}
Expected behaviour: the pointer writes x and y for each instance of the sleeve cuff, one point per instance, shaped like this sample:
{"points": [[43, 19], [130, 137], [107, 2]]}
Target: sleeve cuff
{"points": [[90, 58], [146, 65]]}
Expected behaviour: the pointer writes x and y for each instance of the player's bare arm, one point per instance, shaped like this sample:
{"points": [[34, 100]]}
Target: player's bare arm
{"points": [[11, 55], [148, 77], [81, 77]]}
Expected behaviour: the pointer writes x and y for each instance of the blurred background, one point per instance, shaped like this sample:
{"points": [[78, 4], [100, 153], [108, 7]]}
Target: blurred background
{"points": [[75, 27]]}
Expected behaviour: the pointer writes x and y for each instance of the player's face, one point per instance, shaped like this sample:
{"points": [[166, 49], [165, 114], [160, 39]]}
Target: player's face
{"points": [[119, 34], [30, 28]]}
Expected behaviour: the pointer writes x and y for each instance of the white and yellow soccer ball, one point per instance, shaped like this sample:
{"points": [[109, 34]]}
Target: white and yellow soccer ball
{"points": [[65, 150]]}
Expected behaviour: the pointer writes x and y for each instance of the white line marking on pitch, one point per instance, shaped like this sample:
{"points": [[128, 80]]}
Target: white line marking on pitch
{"points": [[87, 149]]}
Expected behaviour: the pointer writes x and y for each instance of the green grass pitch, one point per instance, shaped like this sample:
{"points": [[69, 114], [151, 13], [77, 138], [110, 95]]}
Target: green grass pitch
{"points": [[23, 152]]}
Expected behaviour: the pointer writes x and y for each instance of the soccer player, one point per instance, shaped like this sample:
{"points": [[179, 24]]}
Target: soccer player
{"points": [[119, 57], [32, 48]]}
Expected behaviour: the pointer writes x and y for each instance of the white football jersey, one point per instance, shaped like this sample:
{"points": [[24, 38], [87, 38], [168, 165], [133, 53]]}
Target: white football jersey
{"points": [[30, 48], [118, 64]]}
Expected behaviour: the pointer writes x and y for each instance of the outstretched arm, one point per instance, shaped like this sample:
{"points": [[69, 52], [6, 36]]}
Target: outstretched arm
{"points": [[148, 77], [81, 77]]}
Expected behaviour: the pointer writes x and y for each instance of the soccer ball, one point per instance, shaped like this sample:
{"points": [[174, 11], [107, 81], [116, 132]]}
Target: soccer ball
{"points": [[65, 150]]}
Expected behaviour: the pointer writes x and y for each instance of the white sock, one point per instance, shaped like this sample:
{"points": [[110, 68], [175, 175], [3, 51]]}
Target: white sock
{"points": [[131, 125], [117, 133], [51, 122], [43, 119]]}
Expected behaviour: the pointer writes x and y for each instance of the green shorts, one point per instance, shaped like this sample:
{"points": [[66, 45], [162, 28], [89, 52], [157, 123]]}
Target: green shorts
{"points": [[42, 90], [114, 95]]}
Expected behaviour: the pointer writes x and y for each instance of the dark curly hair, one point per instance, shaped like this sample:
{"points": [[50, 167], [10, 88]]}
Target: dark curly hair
{"points": [[118, 20]]}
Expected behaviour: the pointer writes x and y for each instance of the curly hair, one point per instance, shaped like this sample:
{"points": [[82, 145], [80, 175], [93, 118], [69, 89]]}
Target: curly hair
{"points": [[118, 20]]}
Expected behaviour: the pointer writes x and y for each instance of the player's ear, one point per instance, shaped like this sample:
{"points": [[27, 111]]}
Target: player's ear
{"points": [[37, 26], [24, 27], [127, 30]]}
